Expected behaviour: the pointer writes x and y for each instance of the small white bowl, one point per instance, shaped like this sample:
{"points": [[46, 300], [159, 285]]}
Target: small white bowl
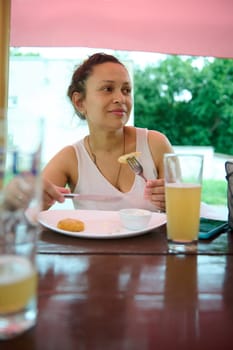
{"points": [[134, 219]]}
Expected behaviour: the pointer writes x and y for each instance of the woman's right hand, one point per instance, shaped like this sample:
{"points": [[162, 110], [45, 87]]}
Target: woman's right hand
{"points": [[52, 193]]}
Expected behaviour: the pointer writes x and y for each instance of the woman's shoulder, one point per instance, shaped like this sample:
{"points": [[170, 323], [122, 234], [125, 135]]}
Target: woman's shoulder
{"points": [[134, 130], [72, 148], [139, 130], [67, 149], [64, 154], [155, 134], [158, 140]]}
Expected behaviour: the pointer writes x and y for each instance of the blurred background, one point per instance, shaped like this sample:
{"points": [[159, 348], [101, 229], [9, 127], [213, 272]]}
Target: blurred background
{"points": [[189, 98]]}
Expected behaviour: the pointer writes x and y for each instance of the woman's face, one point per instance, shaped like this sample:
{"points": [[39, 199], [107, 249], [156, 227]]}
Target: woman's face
{"points": [[108, 99]]}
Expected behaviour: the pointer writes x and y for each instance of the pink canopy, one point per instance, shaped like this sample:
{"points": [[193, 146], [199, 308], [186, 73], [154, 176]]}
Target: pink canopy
{"points": [[192, 27]]}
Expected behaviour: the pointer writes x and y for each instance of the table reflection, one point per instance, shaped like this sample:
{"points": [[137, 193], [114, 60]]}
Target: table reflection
{"points": [[180, 316], [117, 300]]}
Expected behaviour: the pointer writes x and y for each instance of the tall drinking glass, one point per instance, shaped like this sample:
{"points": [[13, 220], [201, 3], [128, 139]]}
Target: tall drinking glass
{"points": [[183, 183], [20, 202]]}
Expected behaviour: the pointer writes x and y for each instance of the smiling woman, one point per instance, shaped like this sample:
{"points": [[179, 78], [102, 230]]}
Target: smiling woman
{"points": [[101, 93]]}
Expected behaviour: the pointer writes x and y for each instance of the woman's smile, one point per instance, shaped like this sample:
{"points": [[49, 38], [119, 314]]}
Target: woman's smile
{"points": [[119, 112]]}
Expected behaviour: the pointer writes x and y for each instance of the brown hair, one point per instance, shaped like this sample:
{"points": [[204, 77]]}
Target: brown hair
{"points": [[82, 73]]}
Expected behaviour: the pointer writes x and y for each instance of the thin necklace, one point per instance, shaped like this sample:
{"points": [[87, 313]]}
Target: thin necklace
{"points": [[96, 164]]}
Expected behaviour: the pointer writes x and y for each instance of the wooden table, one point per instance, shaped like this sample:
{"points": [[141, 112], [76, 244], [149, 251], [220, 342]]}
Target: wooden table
{"points": [[130, 294]]}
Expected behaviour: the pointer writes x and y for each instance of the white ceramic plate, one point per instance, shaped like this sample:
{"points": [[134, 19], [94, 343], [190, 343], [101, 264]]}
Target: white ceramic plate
{"points": [[98, 223]]}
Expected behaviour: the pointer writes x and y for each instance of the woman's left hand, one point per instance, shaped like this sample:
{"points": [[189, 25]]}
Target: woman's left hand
{"points": [[155, 192]]}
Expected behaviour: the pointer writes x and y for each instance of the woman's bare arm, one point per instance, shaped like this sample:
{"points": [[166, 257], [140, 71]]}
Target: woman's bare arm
{"points": [[57, 174]]}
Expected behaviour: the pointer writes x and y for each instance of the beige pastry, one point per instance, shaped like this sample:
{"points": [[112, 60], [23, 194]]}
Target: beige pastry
{"points": [[72, 225], [124, 157]]}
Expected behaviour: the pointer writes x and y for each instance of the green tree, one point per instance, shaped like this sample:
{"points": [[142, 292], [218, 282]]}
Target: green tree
{"points": [[192, 106], [212, 103]]}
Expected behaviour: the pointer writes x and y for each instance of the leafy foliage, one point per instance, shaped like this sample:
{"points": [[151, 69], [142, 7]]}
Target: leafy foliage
{"points": [[214, 192], [191, 105]]}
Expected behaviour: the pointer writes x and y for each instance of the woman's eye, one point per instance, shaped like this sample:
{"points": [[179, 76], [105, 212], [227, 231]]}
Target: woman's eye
{"points": [[127, 91], [107, 88]]}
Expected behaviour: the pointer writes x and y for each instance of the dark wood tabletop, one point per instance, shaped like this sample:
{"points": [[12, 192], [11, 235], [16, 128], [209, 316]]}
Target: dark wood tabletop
{"points": [[131, 294]]}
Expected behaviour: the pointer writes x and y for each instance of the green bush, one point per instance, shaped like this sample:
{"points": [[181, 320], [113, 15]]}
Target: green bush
{"points": [[214, 192]]}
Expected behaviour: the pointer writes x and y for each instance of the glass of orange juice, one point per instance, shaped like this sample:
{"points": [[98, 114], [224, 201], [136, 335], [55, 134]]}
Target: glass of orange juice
{"points": [[20, 202], [183, 183]]}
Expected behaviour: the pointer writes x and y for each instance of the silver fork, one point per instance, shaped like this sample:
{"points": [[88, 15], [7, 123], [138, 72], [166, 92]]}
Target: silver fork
{"points": [[136, 166]]}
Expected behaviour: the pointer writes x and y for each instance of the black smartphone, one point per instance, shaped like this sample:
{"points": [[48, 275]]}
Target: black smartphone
{"points": [[210, 228]]}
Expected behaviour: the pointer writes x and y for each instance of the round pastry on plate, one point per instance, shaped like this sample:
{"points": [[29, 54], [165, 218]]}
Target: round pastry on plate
{"points": [[70, 224]]}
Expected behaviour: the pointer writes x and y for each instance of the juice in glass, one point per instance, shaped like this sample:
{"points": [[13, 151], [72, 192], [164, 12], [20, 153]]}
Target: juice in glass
{"points": [[183, 211], [18, 283]]}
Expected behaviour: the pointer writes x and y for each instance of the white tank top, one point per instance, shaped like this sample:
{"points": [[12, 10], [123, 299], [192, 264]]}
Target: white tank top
{"points": [[91, 181]]}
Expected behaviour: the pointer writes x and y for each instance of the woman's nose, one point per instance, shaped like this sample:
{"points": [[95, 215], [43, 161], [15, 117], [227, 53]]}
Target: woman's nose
{"points": [[119, 98]]}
